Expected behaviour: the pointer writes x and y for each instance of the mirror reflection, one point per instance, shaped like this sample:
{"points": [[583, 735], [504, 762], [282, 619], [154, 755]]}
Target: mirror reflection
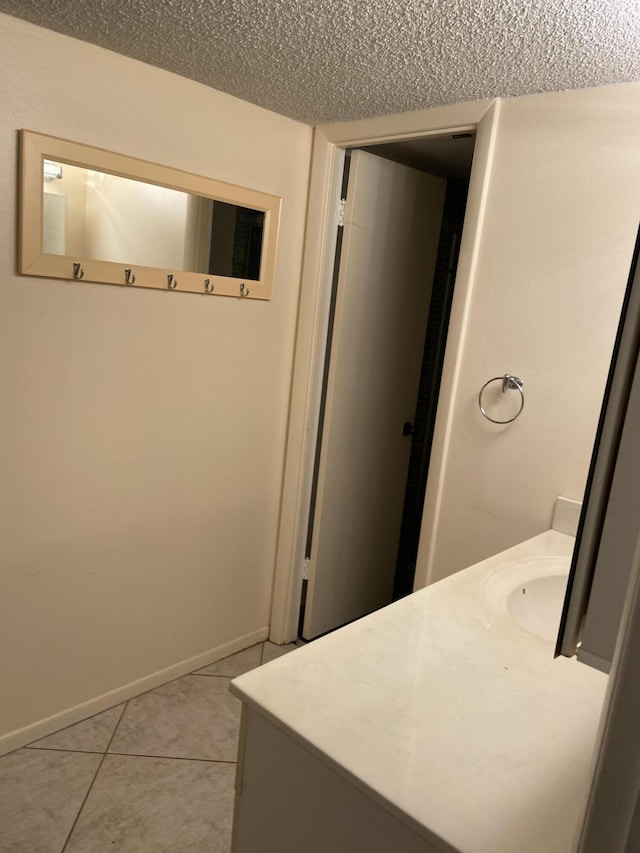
{"points": [[95, 214]]}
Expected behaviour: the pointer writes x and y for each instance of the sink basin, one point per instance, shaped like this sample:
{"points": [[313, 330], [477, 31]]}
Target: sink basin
{"points": [[530, 593], [536, 605]]}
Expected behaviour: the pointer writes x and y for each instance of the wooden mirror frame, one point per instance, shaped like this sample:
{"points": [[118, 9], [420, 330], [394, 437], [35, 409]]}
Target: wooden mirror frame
{"points": [[33, 261]]}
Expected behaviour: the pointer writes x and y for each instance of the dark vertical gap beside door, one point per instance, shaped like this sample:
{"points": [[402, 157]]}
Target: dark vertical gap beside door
{"points": [[429, 388], [325, 380]]}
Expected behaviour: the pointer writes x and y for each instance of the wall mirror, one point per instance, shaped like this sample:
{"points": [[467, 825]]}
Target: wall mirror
{"points": [[94, 215]]}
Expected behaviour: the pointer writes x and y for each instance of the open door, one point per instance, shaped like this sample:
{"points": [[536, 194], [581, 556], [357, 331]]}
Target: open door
{"points": [[391, 231]]}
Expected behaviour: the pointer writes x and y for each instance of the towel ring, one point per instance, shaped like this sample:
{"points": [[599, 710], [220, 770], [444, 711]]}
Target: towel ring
{"points": [[508, 382]]}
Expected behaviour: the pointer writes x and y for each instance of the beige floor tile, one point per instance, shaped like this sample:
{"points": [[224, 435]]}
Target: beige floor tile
{"points": [[90, 735], [234, 665], [41, 793], [192, 717], [157, 805], [272, 651]]}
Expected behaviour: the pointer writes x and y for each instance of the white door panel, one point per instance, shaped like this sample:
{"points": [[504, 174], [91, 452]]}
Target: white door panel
{"points": [[392, 226]]}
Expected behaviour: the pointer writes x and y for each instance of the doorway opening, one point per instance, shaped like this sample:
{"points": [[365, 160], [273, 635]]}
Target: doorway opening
{"points": [[446, 161]]}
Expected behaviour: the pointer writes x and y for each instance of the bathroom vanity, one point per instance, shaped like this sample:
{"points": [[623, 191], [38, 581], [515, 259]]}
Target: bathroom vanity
{"points": [[440, 723]]}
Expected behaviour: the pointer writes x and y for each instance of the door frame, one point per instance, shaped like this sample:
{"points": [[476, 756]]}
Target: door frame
{"points": [[330, 142], [615, 794]]}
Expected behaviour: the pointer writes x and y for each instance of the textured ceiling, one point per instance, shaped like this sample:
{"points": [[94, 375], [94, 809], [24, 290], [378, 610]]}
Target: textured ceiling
{"points": [[324, 60]]}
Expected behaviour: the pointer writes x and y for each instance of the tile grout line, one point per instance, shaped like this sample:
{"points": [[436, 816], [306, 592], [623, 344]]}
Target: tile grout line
{"points": [[63, 749], [95, 776], [137, 755], [174, 757]]}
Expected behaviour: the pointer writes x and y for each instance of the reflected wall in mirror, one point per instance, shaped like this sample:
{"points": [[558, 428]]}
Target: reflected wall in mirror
{"points": [[125, 221]]}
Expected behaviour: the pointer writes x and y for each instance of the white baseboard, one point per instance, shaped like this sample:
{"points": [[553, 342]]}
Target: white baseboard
{"points": [[49, 725]]}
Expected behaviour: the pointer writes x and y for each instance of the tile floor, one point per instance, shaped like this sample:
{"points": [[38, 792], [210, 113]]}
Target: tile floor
{"points": [[151, 775]]}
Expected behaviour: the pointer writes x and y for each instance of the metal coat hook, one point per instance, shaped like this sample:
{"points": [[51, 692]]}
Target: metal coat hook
{"points": [[128, 277], [244, 291], [78, 272], [172, 282], [208, 286]]}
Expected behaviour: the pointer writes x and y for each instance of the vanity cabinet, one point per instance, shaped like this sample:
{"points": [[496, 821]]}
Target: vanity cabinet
{"points": [[435, 725], [289, 801]]}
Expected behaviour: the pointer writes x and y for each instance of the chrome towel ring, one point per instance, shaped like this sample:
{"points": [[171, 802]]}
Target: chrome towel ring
{"points": [[508, 382]]}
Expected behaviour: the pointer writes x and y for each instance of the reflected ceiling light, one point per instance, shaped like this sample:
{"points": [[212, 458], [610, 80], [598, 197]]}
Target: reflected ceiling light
{"points": [[51, 171]]}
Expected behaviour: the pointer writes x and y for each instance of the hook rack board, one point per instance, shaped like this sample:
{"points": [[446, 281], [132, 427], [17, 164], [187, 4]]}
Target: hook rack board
{"points": [[242, 249]]}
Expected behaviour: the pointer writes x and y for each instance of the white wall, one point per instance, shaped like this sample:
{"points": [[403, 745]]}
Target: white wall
{"points": [[135, 223], [142, 432], [562, 212]]}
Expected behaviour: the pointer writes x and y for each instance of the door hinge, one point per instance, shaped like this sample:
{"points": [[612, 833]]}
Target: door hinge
{"points": [[305, 569], [343, 202]]}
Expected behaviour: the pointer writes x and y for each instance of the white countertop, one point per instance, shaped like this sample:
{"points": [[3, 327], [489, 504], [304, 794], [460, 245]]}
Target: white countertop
{"points": [[452, 717]]}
